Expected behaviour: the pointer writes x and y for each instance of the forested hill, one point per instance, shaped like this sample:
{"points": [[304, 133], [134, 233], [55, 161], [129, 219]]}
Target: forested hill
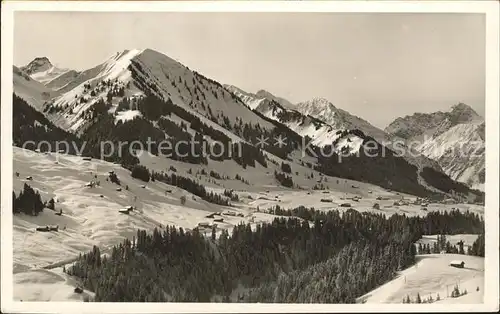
{"points": [[334, 259]]}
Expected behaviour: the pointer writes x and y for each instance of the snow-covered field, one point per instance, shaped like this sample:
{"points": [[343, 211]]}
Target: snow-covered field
{"points": [[431, 276], [91, 215]]}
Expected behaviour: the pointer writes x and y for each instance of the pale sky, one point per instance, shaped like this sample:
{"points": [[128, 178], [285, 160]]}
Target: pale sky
{"points": [[377, 66]]}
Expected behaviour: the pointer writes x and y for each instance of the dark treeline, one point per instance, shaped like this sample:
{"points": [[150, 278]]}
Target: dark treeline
{"points": [[190, 186], [333, 259], [436, 222], [284, 179], [28, 201]]}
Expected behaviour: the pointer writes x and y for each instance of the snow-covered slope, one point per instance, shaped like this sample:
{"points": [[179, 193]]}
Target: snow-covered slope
{"points": [[91, 217], [432, 276], [455, 139], [33, 92]]}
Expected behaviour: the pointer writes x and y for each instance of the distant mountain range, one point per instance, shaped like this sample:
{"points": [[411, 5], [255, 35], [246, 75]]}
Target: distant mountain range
{"points": [[158, 97]]}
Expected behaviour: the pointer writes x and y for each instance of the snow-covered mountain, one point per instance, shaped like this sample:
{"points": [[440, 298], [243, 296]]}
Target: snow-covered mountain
{"points": [[419, 125], [455, 139], [324, 110], [461, 153], [42, 70], [133, 71], [39, 64], [279, 109]]}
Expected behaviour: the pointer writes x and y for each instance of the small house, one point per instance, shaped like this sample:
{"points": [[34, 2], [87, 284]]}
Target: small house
{"points": [[54, 228], [210, 215], [458, 264], [29, 178], [118, 189], [87, 158], [43, 229], [78, 290], [376, 206], [219, 220], [345, 205], [326, 200], [355, 186], [125, 210]]}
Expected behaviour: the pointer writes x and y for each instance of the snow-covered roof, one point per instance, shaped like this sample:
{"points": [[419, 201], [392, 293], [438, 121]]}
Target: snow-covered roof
{"points": [[457, 262]]}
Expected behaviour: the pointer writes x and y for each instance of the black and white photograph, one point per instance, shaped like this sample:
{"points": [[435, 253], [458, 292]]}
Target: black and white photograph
{"points": [[239, 156]]}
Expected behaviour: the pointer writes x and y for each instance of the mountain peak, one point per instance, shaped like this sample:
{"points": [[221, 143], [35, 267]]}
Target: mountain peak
{"points": [[38, 64]]}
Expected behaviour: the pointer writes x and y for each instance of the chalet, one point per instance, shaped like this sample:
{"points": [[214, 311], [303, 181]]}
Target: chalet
{"points": [[326, 200], [61, 151], [53, 228], [37, 150], [424, 208], [355, 186], [143, 186], [211, 215], [345, 205], [29, 178], [118, 189], [78, 290], [219, 220], [43, 229], [59, 213], [458, 264], [204, 225], [126, 210], [325, 192]]}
